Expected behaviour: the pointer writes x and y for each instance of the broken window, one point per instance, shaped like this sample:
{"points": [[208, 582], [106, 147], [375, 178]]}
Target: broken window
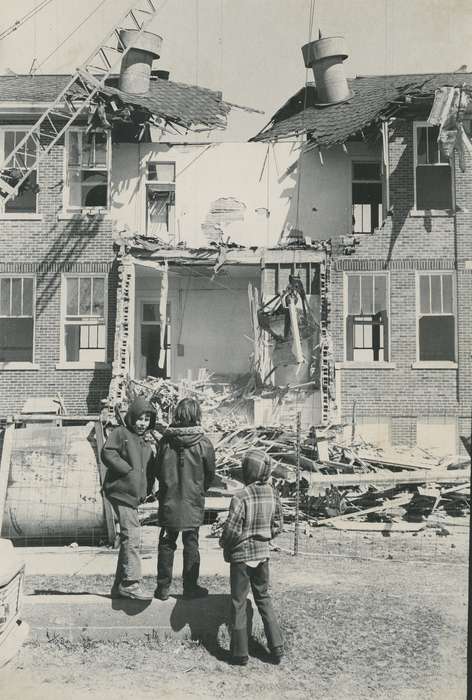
{"points": [[84, 319], [436, 321], [366, 197], [433, 188], [16, 319], [26, 201], [88, 170], [367, 318], [160, 200]]}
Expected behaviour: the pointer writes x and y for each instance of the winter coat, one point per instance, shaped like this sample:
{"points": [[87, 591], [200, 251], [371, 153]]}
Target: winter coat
{"points": [[185, 467], [128, 457]]}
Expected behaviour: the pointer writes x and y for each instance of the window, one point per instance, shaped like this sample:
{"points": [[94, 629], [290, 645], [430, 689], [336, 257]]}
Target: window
{"points": [[84, 336], [160, 200], [155, 358], [433, 186], [88, 170], [367, 318], [436, 321], [26, 200], [16, 319], [366, 197]]}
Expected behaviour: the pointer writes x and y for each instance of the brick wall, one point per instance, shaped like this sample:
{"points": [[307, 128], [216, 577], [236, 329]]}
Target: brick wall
{"points": [[47, 248], [405, 244]]}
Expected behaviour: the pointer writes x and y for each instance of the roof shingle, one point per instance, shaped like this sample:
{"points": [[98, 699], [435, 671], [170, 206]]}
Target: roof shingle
{"points": [[183, 104], [373, 96]]}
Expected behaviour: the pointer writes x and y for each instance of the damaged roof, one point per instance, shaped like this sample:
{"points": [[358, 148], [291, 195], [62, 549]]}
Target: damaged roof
{"points": [[187, 105], [373, 98]]}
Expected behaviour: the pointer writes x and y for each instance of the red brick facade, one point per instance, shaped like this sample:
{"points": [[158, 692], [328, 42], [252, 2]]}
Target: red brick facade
{"points": [[47, 248], [407, 243]]}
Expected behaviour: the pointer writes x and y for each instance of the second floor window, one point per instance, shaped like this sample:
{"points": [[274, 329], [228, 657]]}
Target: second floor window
{"points": [[88, 170], [366, 197], [160, 200], [84, 330], [26, 201], [433, 179], [367, 318], [16, 319]]}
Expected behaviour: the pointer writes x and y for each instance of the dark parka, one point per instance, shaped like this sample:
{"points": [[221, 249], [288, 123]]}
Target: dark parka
{"points": [[128, 457], [185, 467]]}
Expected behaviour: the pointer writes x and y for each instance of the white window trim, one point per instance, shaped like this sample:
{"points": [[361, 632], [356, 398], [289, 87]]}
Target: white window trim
{"points": [[435, 364], [18, 216], [23, 365], [427, 212], [98, 364], [69, 211], [351, 364], [170, 183]]}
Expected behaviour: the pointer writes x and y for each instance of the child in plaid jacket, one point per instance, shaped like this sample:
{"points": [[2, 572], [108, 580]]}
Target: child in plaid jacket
{"points": [[254, 518]]}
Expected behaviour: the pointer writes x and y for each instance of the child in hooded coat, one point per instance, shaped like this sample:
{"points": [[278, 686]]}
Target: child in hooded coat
{"points": [[128, 457], [184, 468], [254, 518]]}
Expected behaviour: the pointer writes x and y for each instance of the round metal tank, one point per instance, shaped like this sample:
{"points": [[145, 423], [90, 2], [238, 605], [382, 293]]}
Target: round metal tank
{"points": [[136, 65], [53, 493], [325, 56]]}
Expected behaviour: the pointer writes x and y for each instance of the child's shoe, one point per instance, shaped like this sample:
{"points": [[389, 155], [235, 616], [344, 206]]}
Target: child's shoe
{"points": [[196, 592], [277, 654], [132, 591], [239, 660], [161, 593]]}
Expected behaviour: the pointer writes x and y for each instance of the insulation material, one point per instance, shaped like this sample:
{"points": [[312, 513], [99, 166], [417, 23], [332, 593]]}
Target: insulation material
{"points": [[448, 110]]}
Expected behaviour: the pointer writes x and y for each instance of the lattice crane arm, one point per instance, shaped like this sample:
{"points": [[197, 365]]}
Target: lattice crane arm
{"points": [[79, 92]]}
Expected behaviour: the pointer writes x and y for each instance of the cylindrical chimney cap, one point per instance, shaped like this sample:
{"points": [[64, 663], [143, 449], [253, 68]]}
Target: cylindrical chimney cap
{"points": [[144, 41], [325, 57], [323, 48]]}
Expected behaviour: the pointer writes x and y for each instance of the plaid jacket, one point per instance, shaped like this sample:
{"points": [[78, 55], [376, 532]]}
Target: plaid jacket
{"points": [[254, 518]]}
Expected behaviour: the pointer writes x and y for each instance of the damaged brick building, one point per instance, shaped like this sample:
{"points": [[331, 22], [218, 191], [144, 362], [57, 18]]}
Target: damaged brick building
{"points": [[341, 219]]}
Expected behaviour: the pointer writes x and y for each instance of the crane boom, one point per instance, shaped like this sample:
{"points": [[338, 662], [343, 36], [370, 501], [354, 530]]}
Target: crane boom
{"points": [[78, 94]]}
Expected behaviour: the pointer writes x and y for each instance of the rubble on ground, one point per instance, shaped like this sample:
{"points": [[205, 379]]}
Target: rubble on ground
{"points": [[348, 485]]}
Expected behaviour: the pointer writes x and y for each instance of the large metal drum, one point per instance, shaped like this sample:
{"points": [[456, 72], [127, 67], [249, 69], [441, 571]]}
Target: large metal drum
{"points": [[53, 491]]}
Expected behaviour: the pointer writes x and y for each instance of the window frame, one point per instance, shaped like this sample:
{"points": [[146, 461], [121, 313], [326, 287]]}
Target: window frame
{"points": [[436, 273], [387, 346], [160, 186], [169, 347], [4, 128], [28, 364], [85, 364], [67, 207], [417, 125], [367, 161]]}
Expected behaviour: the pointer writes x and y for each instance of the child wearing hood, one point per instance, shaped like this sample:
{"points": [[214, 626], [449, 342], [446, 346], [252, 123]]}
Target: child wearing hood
{"points": [[128, 456], [184, 467], [254, 518]]}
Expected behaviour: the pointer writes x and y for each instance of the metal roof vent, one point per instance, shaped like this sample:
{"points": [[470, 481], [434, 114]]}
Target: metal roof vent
{"points": [[137, 62], [325, 56]]}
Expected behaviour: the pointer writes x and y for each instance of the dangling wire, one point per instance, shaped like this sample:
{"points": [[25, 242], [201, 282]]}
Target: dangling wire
{"points": [[31, 13]]}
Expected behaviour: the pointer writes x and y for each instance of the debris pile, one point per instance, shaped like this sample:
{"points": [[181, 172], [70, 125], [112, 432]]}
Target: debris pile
{"points": [[355, 487]]}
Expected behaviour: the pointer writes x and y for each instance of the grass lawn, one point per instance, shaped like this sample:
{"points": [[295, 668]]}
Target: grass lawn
{"points": [[354, 629]]}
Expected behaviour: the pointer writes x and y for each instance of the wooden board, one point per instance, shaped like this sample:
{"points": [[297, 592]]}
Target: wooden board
{"points": [[379, 527]]}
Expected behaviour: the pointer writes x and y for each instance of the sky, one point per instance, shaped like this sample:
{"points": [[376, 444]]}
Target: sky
{"points": [[250, 49]]}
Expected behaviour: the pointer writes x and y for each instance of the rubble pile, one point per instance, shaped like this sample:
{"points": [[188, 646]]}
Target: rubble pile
{"points": [[352, 487]]}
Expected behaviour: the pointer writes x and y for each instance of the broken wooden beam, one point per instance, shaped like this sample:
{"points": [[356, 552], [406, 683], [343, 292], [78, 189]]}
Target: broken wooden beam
{"points": [[438, 476]]}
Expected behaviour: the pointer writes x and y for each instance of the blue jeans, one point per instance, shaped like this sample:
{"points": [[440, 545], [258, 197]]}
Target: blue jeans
{"points": [[241, 577], [128, 568]]}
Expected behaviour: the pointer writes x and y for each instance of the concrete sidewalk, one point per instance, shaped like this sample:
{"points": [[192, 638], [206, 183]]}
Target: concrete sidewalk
{"points": [[92, 561], [97, 616]]}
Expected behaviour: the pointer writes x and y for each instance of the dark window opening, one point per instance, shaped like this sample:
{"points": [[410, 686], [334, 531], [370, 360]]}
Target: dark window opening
{"points": [[432, 170], [366, 197]]}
